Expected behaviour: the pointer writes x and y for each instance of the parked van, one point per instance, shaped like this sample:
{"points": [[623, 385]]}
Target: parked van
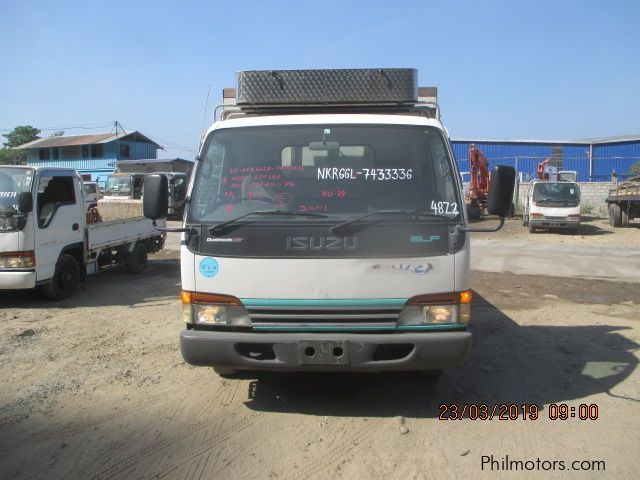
{"points": [[552, 205]]}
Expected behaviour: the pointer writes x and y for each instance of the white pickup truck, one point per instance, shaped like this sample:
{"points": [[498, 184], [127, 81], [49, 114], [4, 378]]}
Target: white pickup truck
{"points": [[47, 240]]}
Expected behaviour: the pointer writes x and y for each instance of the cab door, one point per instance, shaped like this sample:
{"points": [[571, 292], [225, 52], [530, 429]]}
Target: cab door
{"points": [[59, 218]]}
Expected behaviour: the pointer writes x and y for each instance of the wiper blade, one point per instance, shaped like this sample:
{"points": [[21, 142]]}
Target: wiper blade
{"points": [[220, 226], [410, 213]]}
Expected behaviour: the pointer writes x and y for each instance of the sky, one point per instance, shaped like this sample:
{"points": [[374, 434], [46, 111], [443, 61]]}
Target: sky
{"points": [[504, 69]]}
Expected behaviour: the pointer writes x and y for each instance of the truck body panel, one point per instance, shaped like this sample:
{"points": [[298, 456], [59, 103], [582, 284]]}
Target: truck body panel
{"points": [[104, 234], [352, 278]]}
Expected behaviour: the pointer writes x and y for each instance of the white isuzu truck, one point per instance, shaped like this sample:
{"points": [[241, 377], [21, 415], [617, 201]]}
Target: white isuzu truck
{"points": [[47, 238], [325, 228]]}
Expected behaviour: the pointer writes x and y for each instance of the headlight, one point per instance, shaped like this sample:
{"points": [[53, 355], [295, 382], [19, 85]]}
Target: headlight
{"points": [[428, 315], [221, 315], [439, 309], [205, 309], [18, 259]]}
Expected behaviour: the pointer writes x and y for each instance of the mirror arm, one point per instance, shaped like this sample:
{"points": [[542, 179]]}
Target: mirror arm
{"points": [[165, 229], [460, 228]]}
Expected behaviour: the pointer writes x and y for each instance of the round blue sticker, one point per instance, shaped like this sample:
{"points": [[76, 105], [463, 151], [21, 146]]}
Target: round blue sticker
{"points": [[209, 267]]}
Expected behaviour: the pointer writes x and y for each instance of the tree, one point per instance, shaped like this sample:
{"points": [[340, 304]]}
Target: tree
{"points": [[635, 168], [19, 136]]}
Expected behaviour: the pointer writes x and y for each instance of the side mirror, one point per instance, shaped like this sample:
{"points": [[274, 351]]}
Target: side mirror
{"points": [[155, 196], [500, 194], [25, 202]]}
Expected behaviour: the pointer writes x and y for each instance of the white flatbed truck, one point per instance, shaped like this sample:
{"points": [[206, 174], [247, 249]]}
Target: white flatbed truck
{"points": [[325, 228], [46, 239]]}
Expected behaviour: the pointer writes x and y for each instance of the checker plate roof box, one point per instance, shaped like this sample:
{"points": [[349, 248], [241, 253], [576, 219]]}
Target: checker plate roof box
{"points": [[290, 88]]}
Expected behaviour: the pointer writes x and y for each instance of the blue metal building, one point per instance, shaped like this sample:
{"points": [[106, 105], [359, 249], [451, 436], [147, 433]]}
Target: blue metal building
{"points": [[594, 159], [93, 155]]}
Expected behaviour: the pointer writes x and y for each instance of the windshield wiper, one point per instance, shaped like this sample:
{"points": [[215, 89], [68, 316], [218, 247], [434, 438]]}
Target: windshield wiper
{"points": [[220, 226], [338, 227]]}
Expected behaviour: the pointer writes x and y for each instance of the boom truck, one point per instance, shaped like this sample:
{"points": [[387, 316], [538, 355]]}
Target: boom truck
{"points": [[48, 240], [476, 198], [324, 229]]}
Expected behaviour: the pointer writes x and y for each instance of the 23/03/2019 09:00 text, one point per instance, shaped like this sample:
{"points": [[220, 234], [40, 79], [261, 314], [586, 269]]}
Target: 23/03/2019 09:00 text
{"points": [[514, 411]]}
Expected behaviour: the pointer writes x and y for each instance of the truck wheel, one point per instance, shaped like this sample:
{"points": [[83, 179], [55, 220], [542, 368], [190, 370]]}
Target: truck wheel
{"points": [[615, 215], [531, 228], [624, 216], [474, 212], [65, 279], [137, 259]]}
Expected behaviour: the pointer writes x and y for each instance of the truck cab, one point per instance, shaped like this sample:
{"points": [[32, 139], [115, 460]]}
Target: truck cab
{"points": [[124, 186], [552, 205], [47, 241], [129, 186], [325, 229], [52, 225]]}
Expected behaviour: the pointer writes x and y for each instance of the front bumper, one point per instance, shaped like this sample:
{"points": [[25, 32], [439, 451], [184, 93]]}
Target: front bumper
{"points": [[554, 223], [17, 280], [360, 351]]}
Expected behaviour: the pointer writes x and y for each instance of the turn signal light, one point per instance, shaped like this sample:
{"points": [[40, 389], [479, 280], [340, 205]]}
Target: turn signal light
{"points": [[466, 296], [196, 297]]}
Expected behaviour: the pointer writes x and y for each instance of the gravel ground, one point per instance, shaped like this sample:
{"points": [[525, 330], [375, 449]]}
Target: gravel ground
{"points": [[94, 387]]}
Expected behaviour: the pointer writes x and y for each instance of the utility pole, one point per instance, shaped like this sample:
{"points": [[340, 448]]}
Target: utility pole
{"points": [[117, 141]]}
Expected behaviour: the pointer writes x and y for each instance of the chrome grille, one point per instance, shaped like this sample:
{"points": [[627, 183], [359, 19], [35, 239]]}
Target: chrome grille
{"points": [[327, 317]]}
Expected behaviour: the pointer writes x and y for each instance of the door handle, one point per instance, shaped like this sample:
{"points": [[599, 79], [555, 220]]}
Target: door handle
{"points": [[75, 227]]}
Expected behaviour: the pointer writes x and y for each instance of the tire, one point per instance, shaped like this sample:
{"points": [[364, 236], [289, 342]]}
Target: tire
{"points": [[624, 216], [137, 259], [531, 228], [615, 215], [474, 212], [65, 279]]}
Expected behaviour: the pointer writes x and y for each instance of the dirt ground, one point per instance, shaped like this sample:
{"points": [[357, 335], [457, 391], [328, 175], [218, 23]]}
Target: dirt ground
{"points": [[592, 231], [94, 387]]}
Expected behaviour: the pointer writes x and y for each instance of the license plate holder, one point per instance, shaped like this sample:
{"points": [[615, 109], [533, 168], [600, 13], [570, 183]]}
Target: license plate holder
{"points": [[323, 352]]}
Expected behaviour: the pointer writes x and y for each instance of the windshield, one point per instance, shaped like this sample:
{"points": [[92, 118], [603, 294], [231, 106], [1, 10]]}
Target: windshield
{"points": [[118, 186], [556, 194], [13, 181], [341, 171]]}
